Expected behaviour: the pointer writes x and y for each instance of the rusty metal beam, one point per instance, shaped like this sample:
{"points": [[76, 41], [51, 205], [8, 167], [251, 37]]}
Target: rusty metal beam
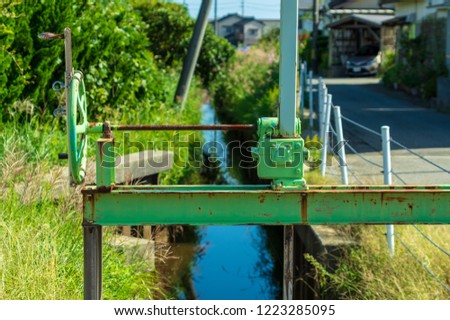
{"points": [[193, 127], [239, 205]]}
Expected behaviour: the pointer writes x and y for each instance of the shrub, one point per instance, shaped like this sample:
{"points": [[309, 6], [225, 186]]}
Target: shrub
{"points": [[421, 60]]}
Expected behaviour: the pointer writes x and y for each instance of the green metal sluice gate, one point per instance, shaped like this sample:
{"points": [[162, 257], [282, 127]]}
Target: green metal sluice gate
{"points": [[281, 154]]}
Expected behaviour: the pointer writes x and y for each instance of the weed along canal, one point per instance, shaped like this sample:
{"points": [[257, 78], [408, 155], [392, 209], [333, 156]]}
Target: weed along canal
{"points": [[118, 182], [227, 262]]}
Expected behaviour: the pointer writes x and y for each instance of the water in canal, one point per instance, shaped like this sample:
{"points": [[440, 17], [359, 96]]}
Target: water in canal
{"points": [[232, 262]]}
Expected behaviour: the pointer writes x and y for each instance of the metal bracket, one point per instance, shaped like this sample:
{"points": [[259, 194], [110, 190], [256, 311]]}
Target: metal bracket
{"points": [[280, 159]]}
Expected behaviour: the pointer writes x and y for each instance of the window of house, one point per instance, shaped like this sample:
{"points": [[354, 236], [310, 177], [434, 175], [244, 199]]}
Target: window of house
{"points": [[227, 29], [253, 31]]}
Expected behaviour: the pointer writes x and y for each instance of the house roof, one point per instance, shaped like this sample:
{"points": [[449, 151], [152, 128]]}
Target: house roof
{"points": [[368, 19], [347, 4], [269, 20], [244, 21], [231, 15], [397, 21], [361, 11]]}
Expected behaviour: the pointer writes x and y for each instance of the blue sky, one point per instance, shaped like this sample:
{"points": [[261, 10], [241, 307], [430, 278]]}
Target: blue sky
{"points": [[267, 9]]}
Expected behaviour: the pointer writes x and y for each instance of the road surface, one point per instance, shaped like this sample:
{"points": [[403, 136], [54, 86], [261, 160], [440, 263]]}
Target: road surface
{"points": [[422, 129]]}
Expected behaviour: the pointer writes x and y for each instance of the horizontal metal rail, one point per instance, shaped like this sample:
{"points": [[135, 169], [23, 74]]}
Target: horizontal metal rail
{"points": [[223, 127], [97, 127], [241, 205]]}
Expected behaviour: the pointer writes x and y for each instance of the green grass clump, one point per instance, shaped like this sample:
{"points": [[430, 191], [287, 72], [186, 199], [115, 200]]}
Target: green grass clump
{"points": [[369, 272], [41, 255]]}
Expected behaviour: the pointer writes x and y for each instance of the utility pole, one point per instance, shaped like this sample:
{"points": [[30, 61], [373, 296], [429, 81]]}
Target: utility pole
{"points": [[216, 25], [193, 52], [242, 7], [315, 31]]}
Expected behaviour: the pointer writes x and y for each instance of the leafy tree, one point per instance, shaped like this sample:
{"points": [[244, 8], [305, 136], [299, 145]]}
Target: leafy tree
{"points": [[127, 62], [169, 24], [109, 46]]}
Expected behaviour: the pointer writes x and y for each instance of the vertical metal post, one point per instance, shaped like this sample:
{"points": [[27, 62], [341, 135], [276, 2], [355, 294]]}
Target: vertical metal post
{"points": [[311, 111], [324, 108], [387, 170], [105, 164], [92, 261], [68, 80], [193, 52], [326, 128], [288, 263], [315, 66], [341, 144], [320, 100], [287, 116], [302, 90], [105, 170], [216, 23], [288, 65]]}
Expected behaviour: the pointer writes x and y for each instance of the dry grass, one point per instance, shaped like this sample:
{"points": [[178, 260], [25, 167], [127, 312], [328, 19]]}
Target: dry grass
{"points": [[41, 256], [369, 272]]}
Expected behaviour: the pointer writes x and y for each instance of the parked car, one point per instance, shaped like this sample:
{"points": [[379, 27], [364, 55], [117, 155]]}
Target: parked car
{"points": [[365, 62]]}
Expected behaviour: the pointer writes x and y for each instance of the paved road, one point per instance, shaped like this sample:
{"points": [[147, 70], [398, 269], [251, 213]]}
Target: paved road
{"points": [[424, 130], [369, 103]]}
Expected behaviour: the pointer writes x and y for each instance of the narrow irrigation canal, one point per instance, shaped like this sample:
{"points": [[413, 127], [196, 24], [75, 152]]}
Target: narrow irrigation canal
{"points": [[228, 262]]}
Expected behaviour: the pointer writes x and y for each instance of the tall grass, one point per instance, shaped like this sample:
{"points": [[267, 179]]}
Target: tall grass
{"points": [[369, 272], [41, 255]]}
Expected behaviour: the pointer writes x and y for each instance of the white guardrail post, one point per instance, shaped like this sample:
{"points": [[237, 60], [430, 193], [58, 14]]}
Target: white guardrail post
{"points": [[387, 170], [320, 108], [341, 144], [302, 89], [302, 98], [324, 138]]}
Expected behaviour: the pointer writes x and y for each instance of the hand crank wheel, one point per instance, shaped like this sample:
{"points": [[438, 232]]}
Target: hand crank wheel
{"points": [[77, 128]]}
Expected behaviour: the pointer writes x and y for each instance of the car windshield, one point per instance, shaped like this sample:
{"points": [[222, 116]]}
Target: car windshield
{"points": [[367, 51]]}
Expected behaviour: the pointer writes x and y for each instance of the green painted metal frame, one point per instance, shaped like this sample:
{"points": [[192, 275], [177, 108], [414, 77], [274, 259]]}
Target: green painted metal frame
{"points": [[238, 205], [287, 201]]}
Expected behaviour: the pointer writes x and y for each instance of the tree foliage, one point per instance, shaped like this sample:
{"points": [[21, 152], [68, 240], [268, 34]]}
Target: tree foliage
{"points": [[421, 60], [125, 63], [169, 24]]}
